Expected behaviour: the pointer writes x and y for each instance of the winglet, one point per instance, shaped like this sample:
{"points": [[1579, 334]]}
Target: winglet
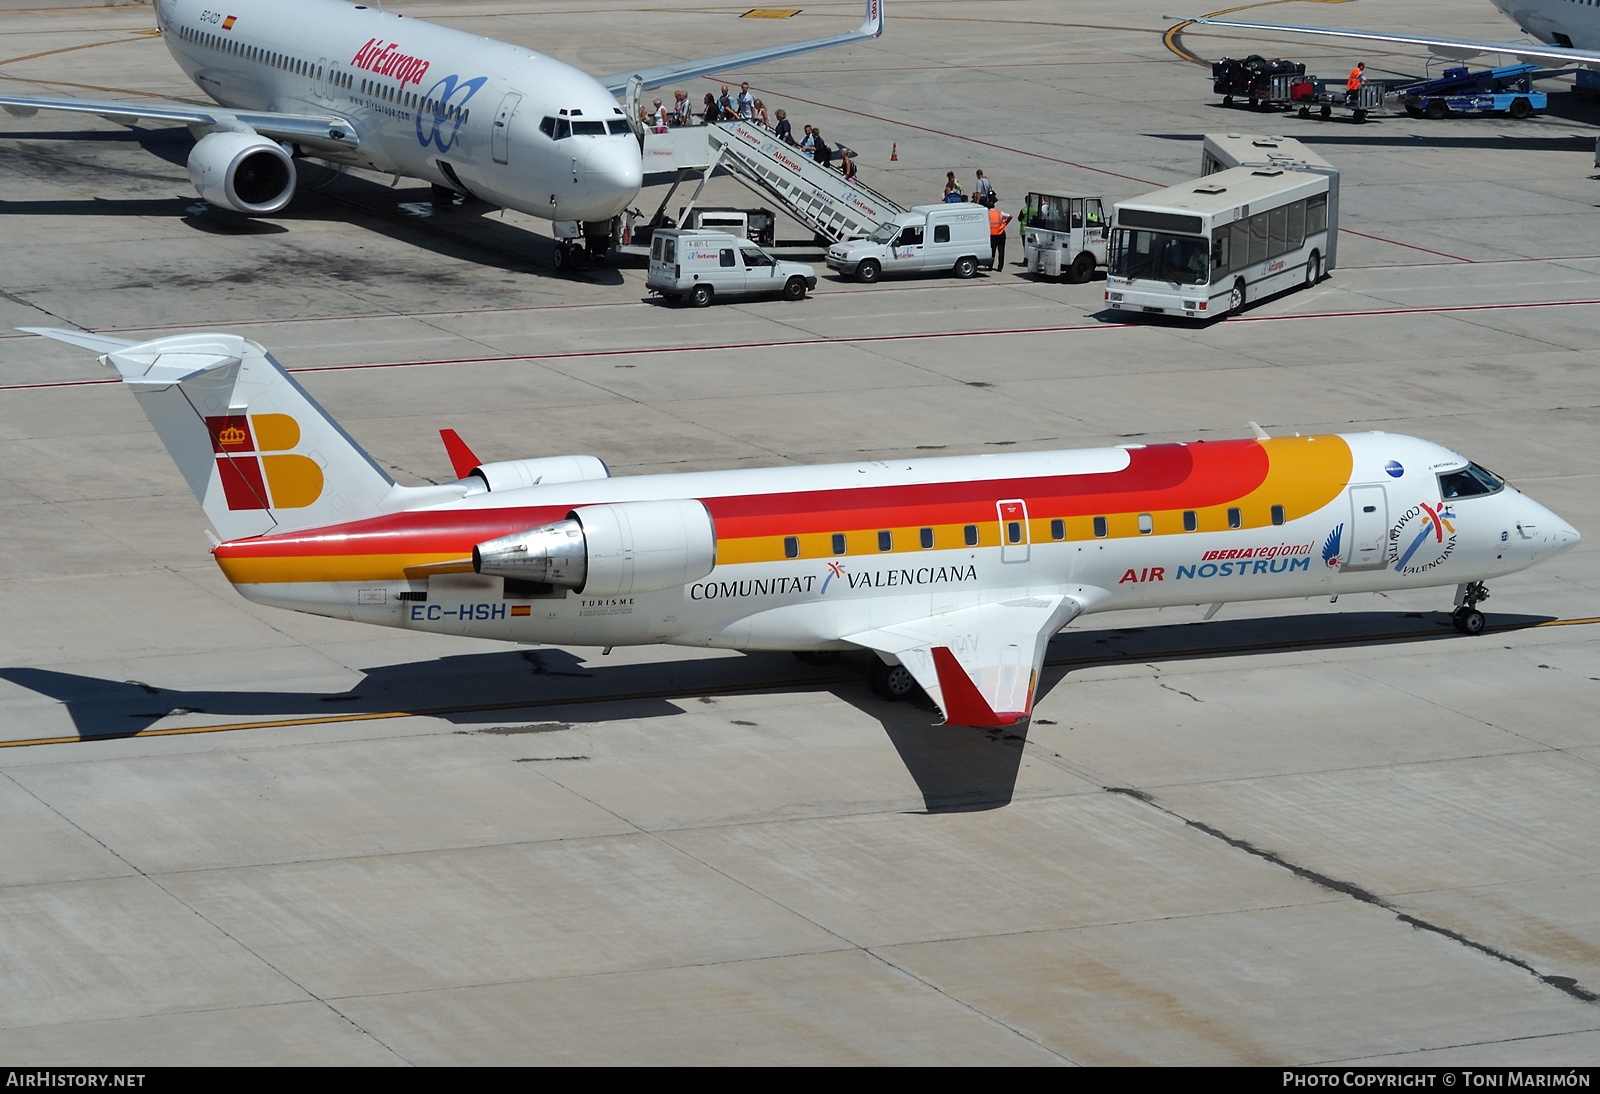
{"points": [[98, 343], [461, 458], [963, 704]]}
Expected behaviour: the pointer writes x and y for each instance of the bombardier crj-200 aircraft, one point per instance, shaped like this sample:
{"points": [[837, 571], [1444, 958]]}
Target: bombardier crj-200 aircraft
{"points": [[955, 571], [357, 86]]}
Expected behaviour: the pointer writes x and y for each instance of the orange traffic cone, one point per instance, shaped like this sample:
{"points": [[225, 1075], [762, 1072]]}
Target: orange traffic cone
{"points": [[894, 152]]}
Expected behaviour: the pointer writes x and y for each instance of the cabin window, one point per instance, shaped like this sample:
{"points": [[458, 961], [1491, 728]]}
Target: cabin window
{"points": [[1235, 519], [838, 543], [927, 539], [941, 233], [1190, 521], [1277, 514], [970, 533], [725, 257], [1058, 529], [1014, 531], [1100, 529], [791, 546], [1316, 214], [1147, 524], [885, 541]]}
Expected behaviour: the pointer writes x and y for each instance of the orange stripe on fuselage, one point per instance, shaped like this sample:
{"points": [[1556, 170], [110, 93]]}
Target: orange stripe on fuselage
{"points": [[1302, 474]]}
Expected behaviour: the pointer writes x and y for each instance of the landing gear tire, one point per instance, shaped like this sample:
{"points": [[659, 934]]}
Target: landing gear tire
{"points": [[562, 259], [1082, 269], [1467, 620], [794, 289], [1236, 296], [892, 682], [966, 266], [868, 272], [700, 296]]}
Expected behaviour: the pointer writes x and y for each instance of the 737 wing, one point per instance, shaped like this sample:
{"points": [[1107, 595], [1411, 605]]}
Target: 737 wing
{"points": [[1460, 49], [617, 83], [981, 665], [323, 132]]}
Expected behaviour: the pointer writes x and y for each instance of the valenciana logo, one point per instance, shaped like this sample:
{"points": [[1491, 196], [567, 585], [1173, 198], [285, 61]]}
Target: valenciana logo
{"points": [[1423, 539], [258, 471]]}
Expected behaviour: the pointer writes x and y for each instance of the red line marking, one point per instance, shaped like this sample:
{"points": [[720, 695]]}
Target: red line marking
{"points": [[1413, 246], [865, 339]]}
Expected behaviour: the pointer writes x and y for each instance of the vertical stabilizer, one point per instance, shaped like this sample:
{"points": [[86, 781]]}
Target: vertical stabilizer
{"points": [[258, 452]]}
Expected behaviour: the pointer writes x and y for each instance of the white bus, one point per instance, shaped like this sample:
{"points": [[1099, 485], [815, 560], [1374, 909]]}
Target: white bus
{"points": [[1203, 249]]}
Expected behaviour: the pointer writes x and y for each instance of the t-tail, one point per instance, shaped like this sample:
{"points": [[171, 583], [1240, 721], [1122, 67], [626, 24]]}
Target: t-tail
{"points": [[258, 452]]}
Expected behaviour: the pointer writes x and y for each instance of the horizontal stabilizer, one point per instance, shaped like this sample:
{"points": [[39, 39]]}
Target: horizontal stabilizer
{"points": [[99, 343]]}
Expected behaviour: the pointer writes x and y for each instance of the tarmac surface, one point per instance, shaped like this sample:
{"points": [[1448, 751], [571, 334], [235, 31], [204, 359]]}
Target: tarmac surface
{"points": [[1299, 833]]}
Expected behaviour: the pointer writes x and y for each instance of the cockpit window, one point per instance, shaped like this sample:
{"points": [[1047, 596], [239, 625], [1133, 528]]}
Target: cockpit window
{"points": [[588, 129], [554, 128], [1469, 482]]}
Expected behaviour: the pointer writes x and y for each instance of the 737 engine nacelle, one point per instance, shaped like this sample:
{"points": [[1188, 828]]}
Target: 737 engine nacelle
{"points": [[244, 172], [609, 550]]}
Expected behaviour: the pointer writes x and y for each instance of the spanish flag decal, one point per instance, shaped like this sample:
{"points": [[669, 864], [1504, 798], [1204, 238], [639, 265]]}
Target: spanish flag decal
{"points": [[227, 24]]}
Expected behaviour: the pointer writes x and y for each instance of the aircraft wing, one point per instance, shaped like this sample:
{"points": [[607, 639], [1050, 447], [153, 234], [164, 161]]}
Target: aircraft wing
{"points": [[617, 82], [323, 131], [1460, 49], [981, 665]]}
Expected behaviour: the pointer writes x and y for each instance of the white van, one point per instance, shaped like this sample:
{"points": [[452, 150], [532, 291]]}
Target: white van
{"points": [[706, 265], [951, 237]]}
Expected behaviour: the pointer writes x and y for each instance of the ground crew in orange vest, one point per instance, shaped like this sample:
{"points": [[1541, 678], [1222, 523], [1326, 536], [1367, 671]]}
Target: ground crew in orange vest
{"points": [[1353, 84], [997, 237]]}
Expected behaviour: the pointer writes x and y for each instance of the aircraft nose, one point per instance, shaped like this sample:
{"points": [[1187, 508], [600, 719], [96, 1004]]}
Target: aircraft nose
{"points": [[612, 174]]}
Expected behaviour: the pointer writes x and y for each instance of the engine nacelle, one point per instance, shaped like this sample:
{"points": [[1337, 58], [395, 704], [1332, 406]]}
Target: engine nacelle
{"points": [[515, 474], [609, 550], [244, 172]]}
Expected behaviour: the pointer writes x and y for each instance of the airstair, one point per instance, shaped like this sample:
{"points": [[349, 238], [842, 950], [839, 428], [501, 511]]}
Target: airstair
{"points": [[818, 197]]}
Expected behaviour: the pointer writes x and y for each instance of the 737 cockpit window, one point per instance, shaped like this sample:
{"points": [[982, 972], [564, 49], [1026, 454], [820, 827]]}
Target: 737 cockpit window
{"points": [[1469, 482]]}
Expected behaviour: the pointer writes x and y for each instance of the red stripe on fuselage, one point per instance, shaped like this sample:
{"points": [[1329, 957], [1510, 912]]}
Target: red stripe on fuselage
{"points": [[1168, 476]]}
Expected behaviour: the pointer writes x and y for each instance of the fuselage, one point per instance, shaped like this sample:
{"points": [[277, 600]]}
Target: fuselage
{"points": [[500, 121], [807, 555], [1558, 22]]}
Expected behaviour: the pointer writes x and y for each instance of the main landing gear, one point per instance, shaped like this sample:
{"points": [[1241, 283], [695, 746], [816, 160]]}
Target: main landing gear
{"points": [[1467, 618]]}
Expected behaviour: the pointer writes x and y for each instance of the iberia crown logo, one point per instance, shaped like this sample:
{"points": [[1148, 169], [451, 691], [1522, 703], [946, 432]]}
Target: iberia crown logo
{"points": [[255, 466]]}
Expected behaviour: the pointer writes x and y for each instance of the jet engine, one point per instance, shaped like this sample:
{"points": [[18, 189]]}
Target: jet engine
{"points": [[515, 474], [609, 550], [244, 172]]}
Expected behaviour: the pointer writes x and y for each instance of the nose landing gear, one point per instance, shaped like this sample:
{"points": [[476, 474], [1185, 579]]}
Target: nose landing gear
{"points": [[1467, 618]]}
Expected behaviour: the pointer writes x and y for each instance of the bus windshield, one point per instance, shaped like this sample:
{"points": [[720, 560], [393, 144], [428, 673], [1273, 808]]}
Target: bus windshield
{"points": [[1160, 256]]}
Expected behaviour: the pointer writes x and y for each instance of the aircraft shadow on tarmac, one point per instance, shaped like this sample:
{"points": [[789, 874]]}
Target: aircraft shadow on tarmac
{"points": [[465, 231], [956, 768]]}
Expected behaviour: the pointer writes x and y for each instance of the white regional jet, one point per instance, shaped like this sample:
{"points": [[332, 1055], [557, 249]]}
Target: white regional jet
{"points": [[354, 85], [955, 571], [1568, 32]]}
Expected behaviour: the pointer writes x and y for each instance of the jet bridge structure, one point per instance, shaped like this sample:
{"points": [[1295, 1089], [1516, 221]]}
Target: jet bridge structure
{"points": [[819, 197]]}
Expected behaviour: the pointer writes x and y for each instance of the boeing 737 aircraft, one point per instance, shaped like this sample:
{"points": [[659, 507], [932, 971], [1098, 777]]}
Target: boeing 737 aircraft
{"points": [[956, 571], [357, 86], [1569, 29]]}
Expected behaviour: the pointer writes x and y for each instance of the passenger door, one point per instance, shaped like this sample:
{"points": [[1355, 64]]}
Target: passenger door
{"points": [[1095, 229], [759, 270], [500, 139], [1013, 530], [1369, 527], [906, 251]]}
